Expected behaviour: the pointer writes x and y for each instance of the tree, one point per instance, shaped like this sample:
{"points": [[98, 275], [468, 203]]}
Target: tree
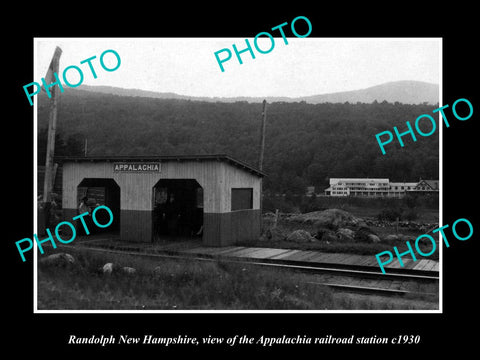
{"points": [[42, 138], [74, 145]]}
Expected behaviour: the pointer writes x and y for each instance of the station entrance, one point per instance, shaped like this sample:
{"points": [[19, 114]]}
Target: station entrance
{"points": [[101, 192], [177, 210]]}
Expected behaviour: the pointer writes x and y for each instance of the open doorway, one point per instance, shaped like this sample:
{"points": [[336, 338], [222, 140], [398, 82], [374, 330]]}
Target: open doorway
{"points": [[101, 192], [177, 210]]}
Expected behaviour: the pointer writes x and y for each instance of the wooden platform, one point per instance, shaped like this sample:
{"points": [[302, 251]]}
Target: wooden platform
{"points": [[290, 256], [313, 257]]}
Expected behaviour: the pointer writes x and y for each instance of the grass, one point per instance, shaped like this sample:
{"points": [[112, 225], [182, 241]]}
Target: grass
{"points": [[426, 207], [172, 284], [189, 285], [425, 214]]}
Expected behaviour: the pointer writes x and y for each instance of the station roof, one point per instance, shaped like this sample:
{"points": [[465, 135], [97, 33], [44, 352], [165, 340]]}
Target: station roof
{"points": [[151, 158]]}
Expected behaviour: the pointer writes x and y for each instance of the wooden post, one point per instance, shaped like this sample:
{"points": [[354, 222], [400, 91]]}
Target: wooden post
{"points": [[52, 124], [262, 135], [275, 221], [260, 159]]}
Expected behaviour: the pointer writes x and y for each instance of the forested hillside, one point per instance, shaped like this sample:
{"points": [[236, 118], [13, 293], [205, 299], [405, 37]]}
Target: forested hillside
{"points": [[305, 143]]}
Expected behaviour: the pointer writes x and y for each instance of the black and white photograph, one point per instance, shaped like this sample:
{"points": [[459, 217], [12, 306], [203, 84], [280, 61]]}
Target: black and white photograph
{"points": [[234, 180], [260, 185]]}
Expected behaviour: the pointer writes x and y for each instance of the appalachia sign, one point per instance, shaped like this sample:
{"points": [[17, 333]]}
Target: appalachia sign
{"points": [[136, 167]]}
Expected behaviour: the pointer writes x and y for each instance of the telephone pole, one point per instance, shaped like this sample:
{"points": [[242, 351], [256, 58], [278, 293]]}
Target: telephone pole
{"points": [[52, 124], [260, 159], [262, 135]]}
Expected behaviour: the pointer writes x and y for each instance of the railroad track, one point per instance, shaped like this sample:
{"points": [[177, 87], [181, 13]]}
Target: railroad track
{"points": [[377, 283]]}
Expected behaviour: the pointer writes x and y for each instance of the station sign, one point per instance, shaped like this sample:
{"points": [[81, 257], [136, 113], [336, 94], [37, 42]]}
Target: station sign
{"points": [[136, 167]]}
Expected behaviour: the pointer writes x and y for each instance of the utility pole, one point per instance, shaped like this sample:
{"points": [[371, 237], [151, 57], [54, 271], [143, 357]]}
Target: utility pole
{"points": [[52, 124], [260, 159], [262, 135]]}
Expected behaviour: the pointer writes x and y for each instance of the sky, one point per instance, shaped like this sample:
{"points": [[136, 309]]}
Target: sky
{"points": [[303, 67]]}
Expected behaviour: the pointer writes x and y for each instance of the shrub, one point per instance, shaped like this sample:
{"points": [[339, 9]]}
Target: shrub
{"points": [[389, 214], [410, 214], [363, 234]]}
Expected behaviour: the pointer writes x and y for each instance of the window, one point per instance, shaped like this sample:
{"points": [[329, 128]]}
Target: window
{"points": [[242, 198]]}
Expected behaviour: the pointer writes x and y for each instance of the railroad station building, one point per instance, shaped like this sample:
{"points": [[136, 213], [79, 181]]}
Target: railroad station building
{"points": [[157, 198]]}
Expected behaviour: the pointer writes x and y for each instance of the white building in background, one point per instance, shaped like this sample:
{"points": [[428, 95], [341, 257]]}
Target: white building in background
{"points": [[357, 187], [426, 186], [399, 189], [378, 187]]}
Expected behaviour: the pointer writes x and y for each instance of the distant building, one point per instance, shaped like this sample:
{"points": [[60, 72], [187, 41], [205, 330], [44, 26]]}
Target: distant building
{"points": [[426, 186], [357, 187], [378, 187], [399, 189]]}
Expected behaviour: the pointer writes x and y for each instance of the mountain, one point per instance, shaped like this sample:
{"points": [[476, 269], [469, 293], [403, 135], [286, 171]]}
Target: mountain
{"points": [[405, 92], [169, 95]]}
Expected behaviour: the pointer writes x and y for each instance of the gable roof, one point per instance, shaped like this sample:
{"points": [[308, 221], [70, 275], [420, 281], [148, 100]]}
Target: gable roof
{"points": [[433, 184], [151, 158]]}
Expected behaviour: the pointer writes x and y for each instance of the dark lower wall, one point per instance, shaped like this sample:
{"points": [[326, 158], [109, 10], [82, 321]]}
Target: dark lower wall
{"points": [[69, 214], [223, 229], [136, 225], [219, 229]]}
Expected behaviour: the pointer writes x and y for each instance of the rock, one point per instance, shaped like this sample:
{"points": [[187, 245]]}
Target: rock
{"points": [[373, 238], [325, 234], [329, 236], [107, 268], [346, 235], [399, 237], [361, 223], [363, 235], [59, 259], [110, 268], [391, 238], [129, 270], [402, 237], [300, 236]]}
